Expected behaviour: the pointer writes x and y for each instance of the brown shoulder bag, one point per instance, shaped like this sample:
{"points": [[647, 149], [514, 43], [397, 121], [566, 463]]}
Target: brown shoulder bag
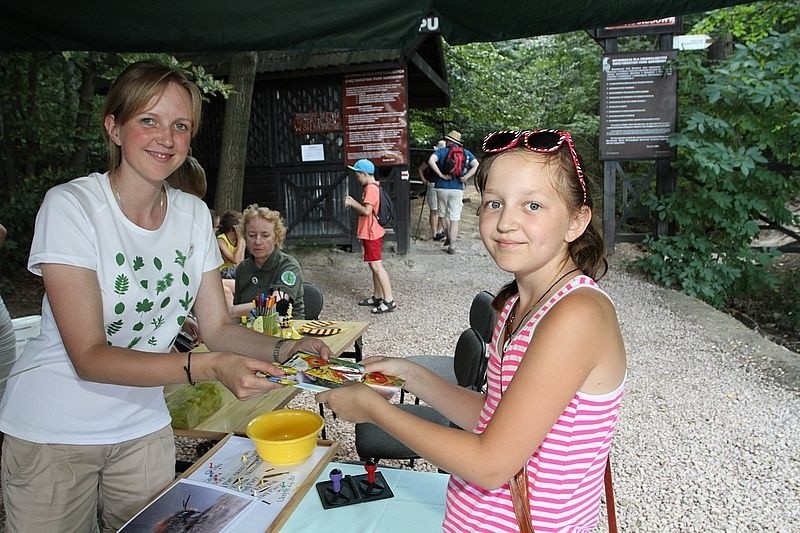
{"points": [[522, 504]]}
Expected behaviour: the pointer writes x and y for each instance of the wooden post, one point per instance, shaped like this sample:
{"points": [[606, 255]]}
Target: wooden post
{"points": [[609, 205]]}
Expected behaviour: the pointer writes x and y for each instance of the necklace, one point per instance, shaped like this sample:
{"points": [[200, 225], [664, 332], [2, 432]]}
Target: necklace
{"points": [[115, 189], [512, 315]]}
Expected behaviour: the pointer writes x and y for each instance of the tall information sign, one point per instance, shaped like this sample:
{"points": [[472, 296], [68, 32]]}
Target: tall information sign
{"points": [[637, 105]]}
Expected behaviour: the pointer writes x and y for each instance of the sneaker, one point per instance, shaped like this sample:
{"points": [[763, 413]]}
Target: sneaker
{"points": [[451, 250], [439, 236], [446, 241], [372, 301]]}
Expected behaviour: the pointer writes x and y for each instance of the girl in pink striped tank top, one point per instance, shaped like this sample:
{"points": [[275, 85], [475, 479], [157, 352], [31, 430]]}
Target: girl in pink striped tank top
{"points": [[553, 397]]}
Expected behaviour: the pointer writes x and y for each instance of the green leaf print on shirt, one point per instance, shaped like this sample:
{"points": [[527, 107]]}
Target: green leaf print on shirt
{"points": [[149, 270], [185, 279], [122, 284], [180, 258], [114, 327], [164, 283], [186, 302], [144, 306]]}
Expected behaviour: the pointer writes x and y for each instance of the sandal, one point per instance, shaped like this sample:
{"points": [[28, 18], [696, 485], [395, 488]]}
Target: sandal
{"points": [[384, 307], [372, 301]]}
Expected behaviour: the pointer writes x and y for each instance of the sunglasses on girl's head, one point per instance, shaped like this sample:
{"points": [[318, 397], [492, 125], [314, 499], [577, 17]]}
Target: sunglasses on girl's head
{"points": [[540, 141]]}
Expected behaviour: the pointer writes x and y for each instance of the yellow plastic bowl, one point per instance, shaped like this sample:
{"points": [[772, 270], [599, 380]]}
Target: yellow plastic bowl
{"points": [[285, 436]]}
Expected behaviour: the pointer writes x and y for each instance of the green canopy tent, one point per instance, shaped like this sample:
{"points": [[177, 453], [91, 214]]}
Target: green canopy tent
{"points": [[214, 25]]}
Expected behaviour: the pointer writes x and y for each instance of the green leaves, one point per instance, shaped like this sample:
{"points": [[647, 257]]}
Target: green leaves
{"points": [[548, 81], [737, 166]]}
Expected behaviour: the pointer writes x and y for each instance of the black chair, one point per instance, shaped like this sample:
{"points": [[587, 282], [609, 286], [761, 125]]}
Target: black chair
{"points": [[372, 442], [313, 300], [482, 318]]}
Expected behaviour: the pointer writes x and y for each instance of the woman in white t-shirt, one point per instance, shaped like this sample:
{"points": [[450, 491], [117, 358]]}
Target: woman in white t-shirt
{"points": [[123, 257]]}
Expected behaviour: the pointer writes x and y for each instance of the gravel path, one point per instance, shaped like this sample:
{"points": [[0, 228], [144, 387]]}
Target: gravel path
{"points": [[709, 431], [709, 436]]}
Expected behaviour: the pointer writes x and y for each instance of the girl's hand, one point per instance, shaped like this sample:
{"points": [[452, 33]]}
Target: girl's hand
{"points": [[391, 366], [354, 402]]}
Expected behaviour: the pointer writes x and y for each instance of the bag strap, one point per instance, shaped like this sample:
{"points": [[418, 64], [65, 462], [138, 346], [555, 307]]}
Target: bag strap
{"points": [[610, 507], [520, 500], [522, 504], [374, 207]]}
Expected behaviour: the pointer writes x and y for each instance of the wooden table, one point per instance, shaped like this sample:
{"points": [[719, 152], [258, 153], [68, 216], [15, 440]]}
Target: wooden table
{"points": [[234, 414]]}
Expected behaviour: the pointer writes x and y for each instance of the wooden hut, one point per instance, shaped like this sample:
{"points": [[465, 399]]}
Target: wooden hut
{"points": [[315, 112]]}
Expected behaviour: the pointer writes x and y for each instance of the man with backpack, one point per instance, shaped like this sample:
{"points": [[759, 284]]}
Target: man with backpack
{"points": [[370, 231], [429, 178], [454, 165]]}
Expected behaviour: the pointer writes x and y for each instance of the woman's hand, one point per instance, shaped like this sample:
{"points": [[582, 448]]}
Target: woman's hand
{"points": [[310, 345], [192, 328], [354, 402], [244, 376]]}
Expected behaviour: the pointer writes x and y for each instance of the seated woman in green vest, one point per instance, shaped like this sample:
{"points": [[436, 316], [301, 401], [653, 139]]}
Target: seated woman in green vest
{"points": [[268, 271]]}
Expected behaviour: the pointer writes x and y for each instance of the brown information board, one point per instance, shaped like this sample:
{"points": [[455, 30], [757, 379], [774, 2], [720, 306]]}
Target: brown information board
{"points": [[637, 105], [376, 117]]}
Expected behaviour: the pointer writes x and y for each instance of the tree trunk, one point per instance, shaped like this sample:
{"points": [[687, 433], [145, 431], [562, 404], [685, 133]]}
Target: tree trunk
{"points": [[83, 120], [235, 128], [30, 106], [721, 48]]}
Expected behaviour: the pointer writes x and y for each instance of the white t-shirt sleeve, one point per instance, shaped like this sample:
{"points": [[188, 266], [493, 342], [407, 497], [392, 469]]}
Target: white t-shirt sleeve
{"points": [[64, 234]]}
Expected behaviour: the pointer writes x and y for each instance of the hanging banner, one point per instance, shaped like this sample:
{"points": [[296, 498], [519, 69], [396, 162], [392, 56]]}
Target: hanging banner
{"points": [[645, 27], [376, 117], [638, 99]]}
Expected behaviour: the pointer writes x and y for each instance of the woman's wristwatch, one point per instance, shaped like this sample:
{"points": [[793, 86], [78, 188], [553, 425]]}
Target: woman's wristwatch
{"points": [[276, 351]]}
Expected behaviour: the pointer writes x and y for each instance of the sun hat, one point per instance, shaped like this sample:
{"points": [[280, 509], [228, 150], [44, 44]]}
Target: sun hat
{"points": [[453, 136], [363, 165]]}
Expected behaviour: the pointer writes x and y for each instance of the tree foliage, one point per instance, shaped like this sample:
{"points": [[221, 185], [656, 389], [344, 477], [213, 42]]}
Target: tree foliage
{"points": [[547, 81], [49, 127], [738, 157]]}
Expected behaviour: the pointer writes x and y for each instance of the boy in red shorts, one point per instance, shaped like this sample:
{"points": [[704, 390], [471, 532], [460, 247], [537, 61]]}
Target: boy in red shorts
{"points": [[370, 232]]}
